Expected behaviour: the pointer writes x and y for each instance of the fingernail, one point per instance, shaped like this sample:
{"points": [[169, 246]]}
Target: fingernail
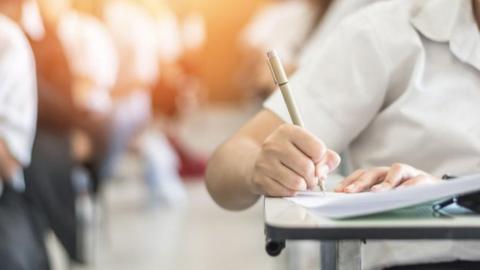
{"points": [[311, 186], [316, 182], [303, 186], [323, 171], [335, 162], [351, 188], [378, 187]]}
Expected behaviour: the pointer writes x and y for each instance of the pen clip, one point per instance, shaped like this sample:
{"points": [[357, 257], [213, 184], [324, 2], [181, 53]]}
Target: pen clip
{"points": [[271, 71]]}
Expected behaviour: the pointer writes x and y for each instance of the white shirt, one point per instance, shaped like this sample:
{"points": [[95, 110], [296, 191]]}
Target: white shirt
{"points": [[338, 10], [18, 95], [282, 26], [398, 82], [31, 21], [169, 37], [91, 54], [193, 31], [135, 36]]}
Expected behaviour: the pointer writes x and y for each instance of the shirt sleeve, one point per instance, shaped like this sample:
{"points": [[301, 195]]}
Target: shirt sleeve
{"points": [[18, 97], [343, 85]]}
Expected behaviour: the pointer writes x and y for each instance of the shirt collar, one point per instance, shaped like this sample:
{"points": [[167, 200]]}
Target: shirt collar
{"points": [[451, 21]]}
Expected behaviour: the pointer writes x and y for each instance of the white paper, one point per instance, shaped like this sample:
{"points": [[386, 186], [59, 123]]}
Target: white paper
{"points": [[341, 205]]}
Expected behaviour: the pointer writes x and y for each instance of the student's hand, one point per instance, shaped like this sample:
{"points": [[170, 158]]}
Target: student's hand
{"points": [[81, 145], [289, 161], [385, 178], [9, 166]]}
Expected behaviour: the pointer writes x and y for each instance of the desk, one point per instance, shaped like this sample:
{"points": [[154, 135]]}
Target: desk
{"points": [[285, 220]]}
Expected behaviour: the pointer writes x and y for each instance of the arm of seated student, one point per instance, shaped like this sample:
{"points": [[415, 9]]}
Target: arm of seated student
{"points": [[385, 178], [267, 157]]}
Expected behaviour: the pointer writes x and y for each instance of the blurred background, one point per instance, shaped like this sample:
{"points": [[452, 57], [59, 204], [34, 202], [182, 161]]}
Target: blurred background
{"points": [[134, 95]]}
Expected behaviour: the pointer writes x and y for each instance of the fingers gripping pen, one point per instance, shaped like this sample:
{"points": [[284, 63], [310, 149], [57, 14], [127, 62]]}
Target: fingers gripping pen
{"points": [[280, 78]]}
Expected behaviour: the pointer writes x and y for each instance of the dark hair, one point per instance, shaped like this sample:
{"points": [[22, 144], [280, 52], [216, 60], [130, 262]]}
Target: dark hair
{"points": [[323, 7]]}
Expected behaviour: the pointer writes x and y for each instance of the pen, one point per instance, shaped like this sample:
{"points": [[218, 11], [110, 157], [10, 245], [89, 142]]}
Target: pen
{"points": [[280, 78], [440, 205]]}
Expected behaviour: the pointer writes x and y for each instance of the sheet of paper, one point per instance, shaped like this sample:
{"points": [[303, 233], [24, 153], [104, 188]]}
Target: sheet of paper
{"points": [[314, 199], [340, 205]]}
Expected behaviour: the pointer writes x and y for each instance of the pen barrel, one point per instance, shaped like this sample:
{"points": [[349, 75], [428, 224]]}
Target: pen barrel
{"points": [[278, 72], [291, 105], [281, 79]]}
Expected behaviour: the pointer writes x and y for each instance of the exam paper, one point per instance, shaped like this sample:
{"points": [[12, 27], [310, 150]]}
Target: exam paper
{"points": [[342, 205]]}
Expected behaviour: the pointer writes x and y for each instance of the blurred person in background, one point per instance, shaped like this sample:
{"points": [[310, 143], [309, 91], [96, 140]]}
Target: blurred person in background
{"points": [[73, 57], [178, 91], [93, 61], [134, 30], [21, 244], [48, 178], [284, 25]]}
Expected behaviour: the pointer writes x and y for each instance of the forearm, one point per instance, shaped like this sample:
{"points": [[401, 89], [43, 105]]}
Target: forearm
{"points": [[229, 172]]}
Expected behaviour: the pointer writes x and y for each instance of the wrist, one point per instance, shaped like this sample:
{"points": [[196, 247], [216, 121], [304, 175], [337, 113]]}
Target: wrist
{"points": [[249, 173], [251, 152]]}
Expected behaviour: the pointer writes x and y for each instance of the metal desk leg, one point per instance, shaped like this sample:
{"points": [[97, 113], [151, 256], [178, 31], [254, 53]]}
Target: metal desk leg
{"points": [[349, 255], [328, 255]]}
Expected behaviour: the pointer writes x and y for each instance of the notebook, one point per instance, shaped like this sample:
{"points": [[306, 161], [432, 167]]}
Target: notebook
{"points": [[341, 205]]}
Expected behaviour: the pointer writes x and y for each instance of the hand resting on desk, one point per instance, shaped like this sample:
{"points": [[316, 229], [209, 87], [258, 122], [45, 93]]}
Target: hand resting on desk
{"points": [[385, 178]]}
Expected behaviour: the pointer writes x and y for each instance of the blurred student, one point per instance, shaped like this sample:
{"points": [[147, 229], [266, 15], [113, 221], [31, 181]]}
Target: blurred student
{"points": [[21, 244], [135, 35], [133, 31], [394, 72], [50, 177], [172, 76], [284, 25], [92, 56], [177, 90], [93, 59]]}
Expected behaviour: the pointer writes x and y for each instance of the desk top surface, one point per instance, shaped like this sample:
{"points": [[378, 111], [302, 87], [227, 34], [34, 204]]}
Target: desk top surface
{"points": [[281, 213], [287, 220]]}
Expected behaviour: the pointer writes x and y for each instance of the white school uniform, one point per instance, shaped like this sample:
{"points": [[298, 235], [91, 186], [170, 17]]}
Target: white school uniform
{"points": [[135, 35], [18, 96], [134, 32], [398, 82], [338, 10], [91, 54], [170, 46]]}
